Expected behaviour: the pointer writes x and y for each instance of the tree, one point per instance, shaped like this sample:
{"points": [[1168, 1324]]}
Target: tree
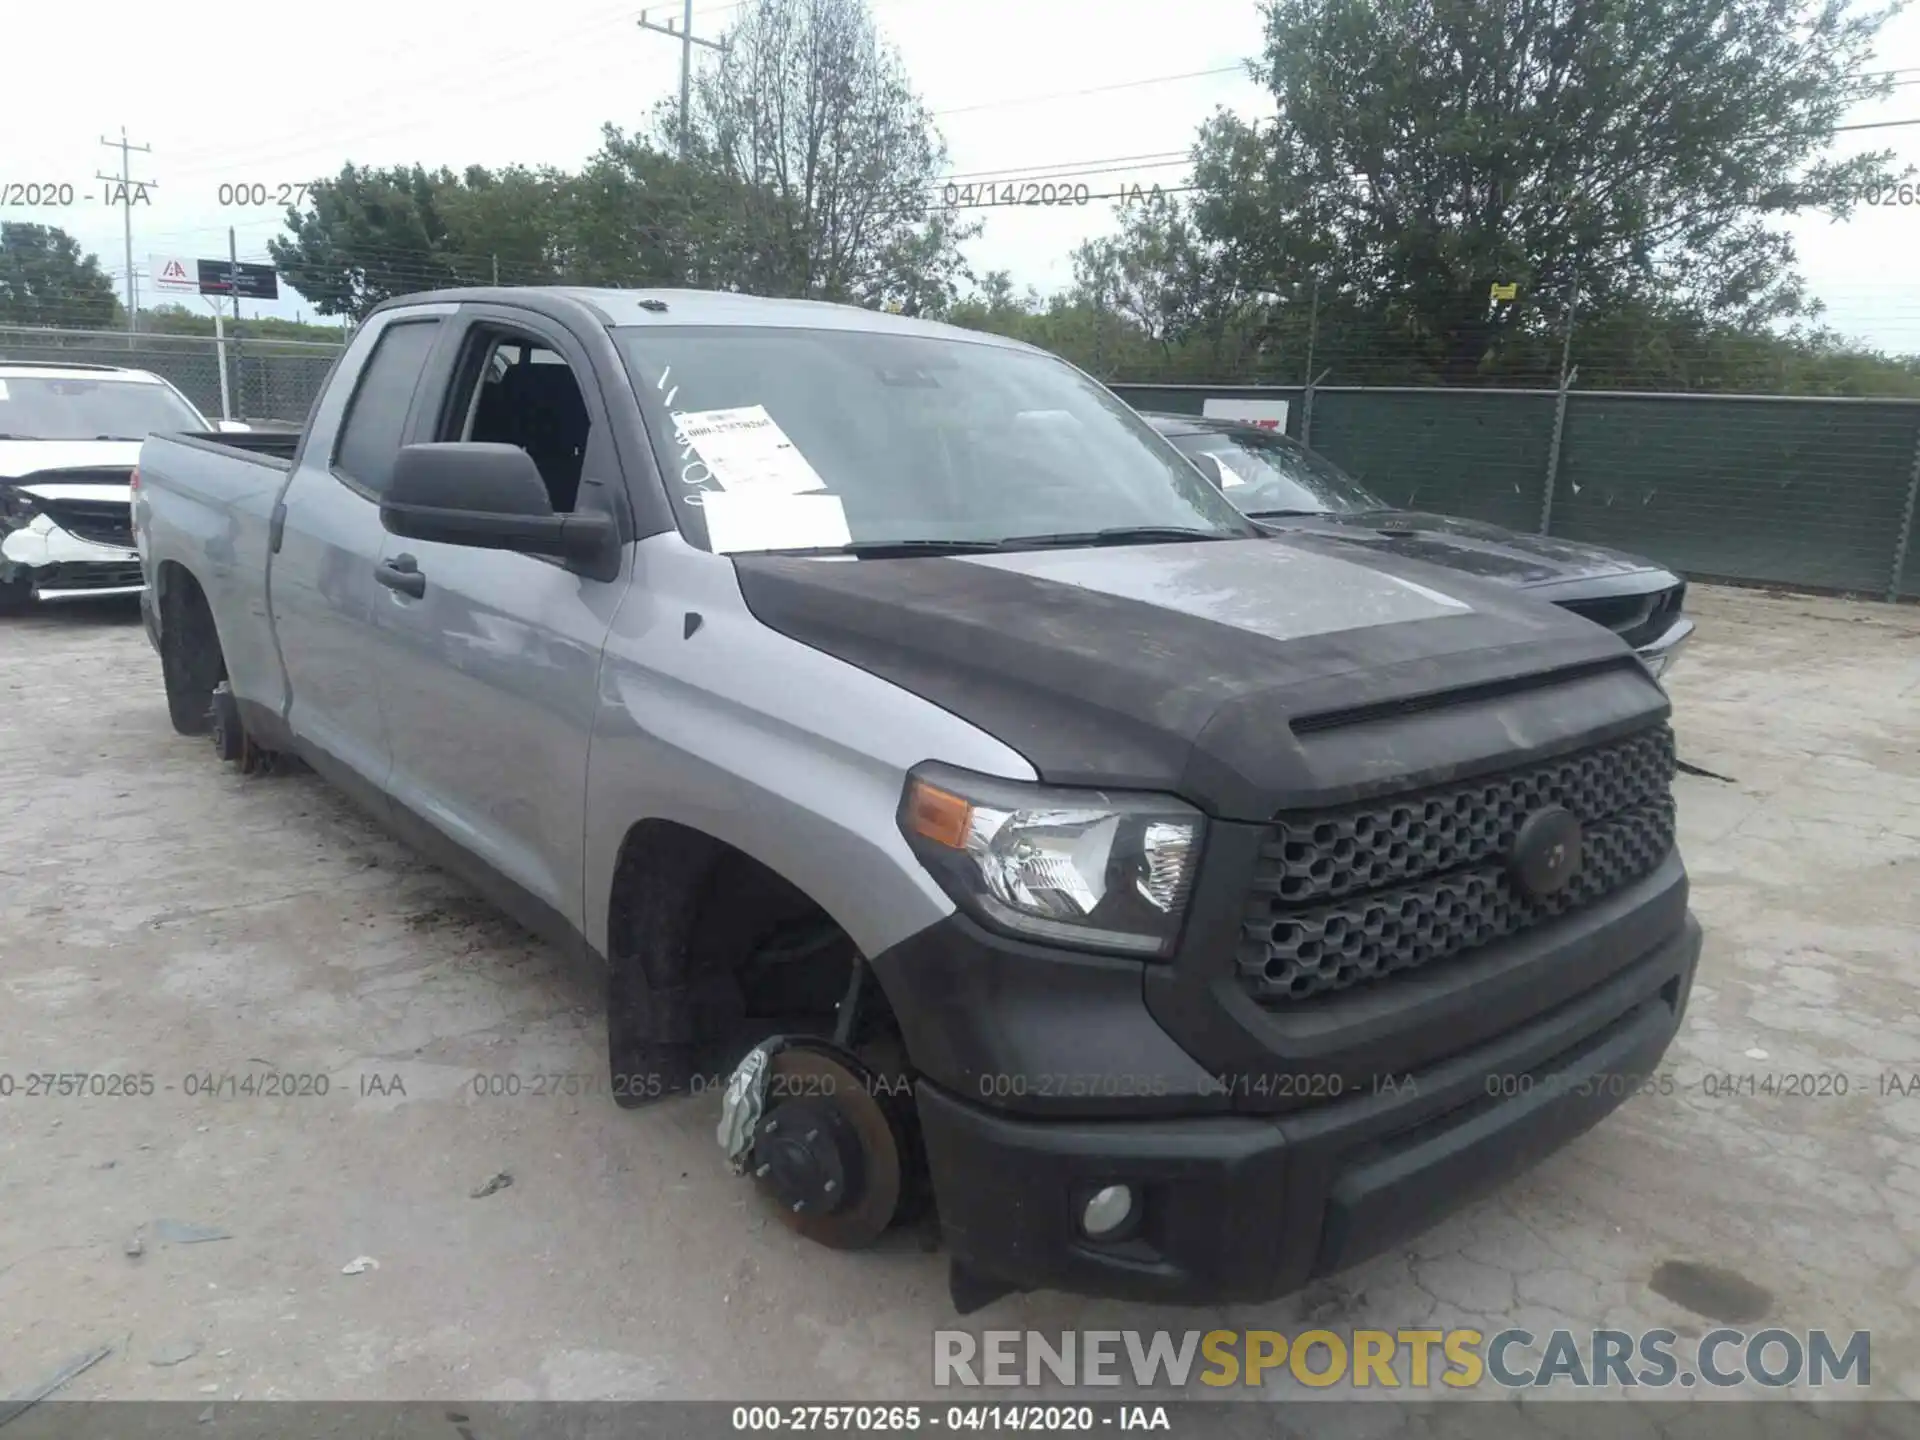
{"points": [[636, 215], [46, 279], [368, 234], [1639, 151], [832, 157]]}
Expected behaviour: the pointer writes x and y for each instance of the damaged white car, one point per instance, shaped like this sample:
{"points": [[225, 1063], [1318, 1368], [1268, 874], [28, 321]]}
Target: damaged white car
{"points": [[69, 440]]}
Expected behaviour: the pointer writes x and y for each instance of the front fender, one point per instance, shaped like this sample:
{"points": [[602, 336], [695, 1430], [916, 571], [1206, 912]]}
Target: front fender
{"points": [[711, 720]]}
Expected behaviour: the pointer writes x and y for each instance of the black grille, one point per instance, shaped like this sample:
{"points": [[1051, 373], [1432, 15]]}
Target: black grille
{"points": [[104, 522], [81, 575], [1637, 619], [1347, 896]]}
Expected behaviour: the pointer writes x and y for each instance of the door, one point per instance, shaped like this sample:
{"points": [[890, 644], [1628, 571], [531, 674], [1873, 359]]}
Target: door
{"points": [[321, 574], [489, 660]]}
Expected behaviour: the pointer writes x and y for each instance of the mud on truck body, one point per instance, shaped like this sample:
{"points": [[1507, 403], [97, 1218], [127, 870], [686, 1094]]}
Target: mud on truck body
{"points": [[940, 767]]}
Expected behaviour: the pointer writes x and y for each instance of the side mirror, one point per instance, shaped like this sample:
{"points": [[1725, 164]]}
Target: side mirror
{"points": [[491, 497], [233, 427]]}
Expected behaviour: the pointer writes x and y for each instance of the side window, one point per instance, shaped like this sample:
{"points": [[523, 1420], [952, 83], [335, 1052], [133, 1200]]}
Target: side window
{"points": [[517, 391], [376, 417]]}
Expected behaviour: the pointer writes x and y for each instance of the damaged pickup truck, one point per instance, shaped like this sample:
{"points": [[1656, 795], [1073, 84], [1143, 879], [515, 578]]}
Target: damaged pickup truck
{"points": [[69, 437], [960, 794]]}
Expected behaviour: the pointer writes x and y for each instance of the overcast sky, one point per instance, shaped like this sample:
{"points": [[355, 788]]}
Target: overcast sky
{"points": [[273, 94]]}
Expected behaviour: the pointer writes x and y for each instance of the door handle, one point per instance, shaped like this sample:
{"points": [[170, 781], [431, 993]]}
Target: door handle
{"points": [[401, 573]]}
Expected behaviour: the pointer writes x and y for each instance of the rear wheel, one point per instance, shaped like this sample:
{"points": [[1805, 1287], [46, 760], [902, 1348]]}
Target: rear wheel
{"points": [[190, 659], [16, 595]]}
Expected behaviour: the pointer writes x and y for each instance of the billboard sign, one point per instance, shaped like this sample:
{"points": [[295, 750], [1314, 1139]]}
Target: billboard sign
{"points": [[1267, 414], [176, 274]]}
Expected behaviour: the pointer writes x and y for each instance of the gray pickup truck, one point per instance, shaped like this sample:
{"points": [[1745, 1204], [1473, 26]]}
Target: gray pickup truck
{"points": [[949, 779]]}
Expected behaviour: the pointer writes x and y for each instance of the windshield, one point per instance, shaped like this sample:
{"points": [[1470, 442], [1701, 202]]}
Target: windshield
{"points": [[799, 439], [1265, 474], [89, 407]]}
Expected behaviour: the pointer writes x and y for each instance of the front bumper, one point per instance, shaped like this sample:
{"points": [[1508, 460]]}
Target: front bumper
{"points": [[1243, 1207], [65, 567]]}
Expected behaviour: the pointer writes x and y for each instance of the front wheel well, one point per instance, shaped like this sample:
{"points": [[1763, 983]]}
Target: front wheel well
{"points": [[712, 951]]}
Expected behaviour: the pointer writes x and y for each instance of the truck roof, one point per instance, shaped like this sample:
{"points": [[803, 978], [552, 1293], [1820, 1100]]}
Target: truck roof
{"points": [[703, 307], [63, 370]]}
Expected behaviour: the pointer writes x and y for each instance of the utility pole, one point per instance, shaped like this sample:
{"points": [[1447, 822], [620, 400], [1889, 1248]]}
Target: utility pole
{"points": [[683, 32], [125, 179], [233, 282]]}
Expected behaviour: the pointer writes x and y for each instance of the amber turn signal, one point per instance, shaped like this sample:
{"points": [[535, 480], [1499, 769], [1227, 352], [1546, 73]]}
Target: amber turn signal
{"points": [[940, 816]]}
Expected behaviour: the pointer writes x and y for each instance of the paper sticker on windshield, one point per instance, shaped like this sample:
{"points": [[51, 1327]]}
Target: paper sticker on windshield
{"points": [[745, 450], [1224, 467], [768, 520], [3, 389]]}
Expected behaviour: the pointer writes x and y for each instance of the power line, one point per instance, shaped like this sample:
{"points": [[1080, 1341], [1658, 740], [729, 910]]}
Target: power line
{"points": [[1054, 170], [465, 82], [1878, 125], [1091, 90]]}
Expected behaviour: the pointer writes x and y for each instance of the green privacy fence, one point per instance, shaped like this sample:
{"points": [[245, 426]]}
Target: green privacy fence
{"points": [[1814, 492]]}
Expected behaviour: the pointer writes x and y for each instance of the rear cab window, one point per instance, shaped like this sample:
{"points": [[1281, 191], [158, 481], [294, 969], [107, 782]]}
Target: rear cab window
{"points": [[376, 419]]}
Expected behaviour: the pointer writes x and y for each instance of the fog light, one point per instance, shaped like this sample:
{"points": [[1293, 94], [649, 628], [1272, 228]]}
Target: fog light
{"points": [[1107, 1211]]}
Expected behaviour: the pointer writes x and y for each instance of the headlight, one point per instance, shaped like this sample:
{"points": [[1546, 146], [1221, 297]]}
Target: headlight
{"points": [[16, 506], [1085, 868]]}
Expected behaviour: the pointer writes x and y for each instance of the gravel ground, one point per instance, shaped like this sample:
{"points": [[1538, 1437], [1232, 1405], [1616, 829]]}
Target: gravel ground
{"points": [[161, 915]]}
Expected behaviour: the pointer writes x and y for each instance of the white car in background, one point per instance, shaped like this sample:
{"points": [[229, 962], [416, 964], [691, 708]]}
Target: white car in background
{"points": [[69, 440]]}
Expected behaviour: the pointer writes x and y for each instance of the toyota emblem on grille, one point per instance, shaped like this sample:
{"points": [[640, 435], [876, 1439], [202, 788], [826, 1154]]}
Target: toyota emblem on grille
{"points": [[1546, 852]]}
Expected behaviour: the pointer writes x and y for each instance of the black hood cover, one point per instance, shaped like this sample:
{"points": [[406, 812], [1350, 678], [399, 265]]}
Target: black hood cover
{"points": [[1247, 676]]}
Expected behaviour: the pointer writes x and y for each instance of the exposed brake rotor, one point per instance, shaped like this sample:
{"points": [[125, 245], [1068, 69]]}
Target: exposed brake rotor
{"points": [[826, 1151]]}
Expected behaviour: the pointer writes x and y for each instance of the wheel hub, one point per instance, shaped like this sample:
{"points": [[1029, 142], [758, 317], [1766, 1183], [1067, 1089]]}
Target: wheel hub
{"points": [[829, 1155], [806, 1154]]}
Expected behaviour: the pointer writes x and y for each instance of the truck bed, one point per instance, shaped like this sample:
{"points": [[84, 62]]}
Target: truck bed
{"points": [[260, 447], [205, 504]]}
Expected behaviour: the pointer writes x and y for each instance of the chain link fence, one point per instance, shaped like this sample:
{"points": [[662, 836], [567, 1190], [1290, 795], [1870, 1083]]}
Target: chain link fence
{"points": [[267, 381], [1818, 492]]}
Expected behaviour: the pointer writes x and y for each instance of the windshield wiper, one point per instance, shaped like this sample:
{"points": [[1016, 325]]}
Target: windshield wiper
{"points": [[1279, 514], [22, 437], [886, 549], [120, 437], [1116, 535]]}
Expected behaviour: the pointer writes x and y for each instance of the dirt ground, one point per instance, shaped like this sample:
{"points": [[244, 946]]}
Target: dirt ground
{"points": [[162, 916]]}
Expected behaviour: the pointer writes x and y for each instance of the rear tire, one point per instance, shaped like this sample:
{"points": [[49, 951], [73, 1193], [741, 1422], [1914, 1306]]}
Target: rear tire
{"points": [[16, 596], [190, 659]]}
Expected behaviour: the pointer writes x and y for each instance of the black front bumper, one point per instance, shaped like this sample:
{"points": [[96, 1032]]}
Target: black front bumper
{"points": [[1240, 1206]]}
